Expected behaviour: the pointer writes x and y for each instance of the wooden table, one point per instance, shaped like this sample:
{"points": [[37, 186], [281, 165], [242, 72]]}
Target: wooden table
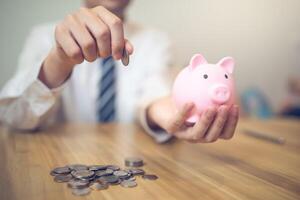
{"points": [[242, 168]]}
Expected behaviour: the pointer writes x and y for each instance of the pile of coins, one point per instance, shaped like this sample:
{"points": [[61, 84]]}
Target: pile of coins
{"points": [[82, 178]]}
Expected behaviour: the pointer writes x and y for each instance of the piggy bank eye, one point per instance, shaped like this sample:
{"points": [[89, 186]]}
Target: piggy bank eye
{"points": [[205, 76], [226, 76]]}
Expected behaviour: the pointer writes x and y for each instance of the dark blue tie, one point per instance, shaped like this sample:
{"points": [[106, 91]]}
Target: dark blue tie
{"points": [[107, 93]]}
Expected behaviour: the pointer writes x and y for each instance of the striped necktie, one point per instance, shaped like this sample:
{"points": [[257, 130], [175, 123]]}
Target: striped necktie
{"points": [[107, 92]]}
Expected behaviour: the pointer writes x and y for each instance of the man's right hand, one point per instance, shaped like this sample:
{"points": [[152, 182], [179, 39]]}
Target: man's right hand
{"points": [[84, 35]]}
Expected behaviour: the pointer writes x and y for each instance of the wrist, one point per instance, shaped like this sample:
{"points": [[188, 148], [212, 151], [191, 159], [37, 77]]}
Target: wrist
{"points": [[150, 117], [58, 58], [55, 69]]}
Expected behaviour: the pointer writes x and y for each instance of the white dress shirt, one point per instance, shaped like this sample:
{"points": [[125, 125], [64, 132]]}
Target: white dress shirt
{"points": [[26, 103]]}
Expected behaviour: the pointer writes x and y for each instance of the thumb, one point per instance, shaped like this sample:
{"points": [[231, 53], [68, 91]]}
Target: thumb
{"points": [[129, 47]]}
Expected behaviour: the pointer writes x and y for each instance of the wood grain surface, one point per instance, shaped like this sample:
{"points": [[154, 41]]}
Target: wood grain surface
{"points": [[241, 168]]}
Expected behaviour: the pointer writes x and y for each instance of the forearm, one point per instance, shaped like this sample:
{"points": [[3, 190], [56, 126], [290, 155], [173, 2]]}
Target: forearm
{"points": [[151, 128], [30, 109], [55, 69], [27, 108]]}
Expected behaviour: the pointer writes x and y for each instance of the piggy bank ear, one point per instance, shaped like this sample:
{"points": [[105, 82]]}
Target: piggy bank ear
{"points": [[196, 60], [227, 63]]}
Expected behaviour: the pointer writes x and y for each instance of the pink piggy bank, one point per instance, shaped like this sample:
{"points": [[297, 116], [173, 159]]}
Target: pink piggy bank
{"points": [[204, 85]]}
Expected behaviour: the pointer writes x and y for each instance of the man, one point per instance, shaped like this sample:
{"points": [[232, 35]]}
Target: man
{"points": [[75, 75]]}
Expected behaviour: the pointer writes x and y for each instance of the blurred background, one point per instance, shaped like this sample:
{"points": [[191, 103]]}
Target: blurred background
{"points": [[263, 37]]}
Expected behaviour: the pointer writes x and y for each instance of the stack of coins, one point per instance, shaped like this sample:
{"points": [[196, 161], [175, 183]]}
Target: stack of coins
{"points": [[134, 162], [81, 179]]}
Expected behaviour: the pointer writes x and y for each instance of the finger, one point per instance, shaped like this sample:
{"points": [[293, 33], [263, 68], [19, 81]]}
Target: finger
{"points": [[99, 30], [176, 123], [69, 46], [83, 38], [129, 47], [201, 127], [183, 134], [217, 125], [116, 28], [194, 141], [231, 123]]}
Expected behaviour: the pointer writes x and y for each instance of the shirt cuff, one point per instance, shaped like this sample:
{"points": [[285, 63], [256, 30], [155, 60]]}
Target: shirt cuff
{"points": [[39, 85], [160, 136]]}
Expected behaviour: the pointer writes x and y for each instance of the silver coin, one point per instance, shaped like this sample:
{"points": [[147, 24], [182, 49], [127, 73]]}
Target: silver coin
{"points": [[150, 177], [61, 170], [109, 171], [125, 57], [136, 171], [101, 180], [78, 184], [121, 173], [90, 179], [134, 162], [60, 178], [128, 183], [81, 191], [113, 167], [106, 172], [100, 173], [111, 178], [83, 174], [126, 177], [128, 170], [99, 186], [52, 173], [97, 167], [77, 167], [129, 174], [116, 183], [132, 178]]}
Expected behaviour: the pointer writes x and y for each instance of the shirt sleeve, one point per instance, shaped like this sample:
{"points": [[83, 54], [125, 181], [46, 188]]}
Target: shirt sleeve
{"points": [[155, 84], [25, 102]]}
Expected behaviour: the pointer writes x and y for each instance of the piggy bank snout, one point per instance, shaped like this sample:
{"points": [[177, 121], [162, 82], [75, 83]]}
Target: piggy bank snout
{"points": [[219, 93]]}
